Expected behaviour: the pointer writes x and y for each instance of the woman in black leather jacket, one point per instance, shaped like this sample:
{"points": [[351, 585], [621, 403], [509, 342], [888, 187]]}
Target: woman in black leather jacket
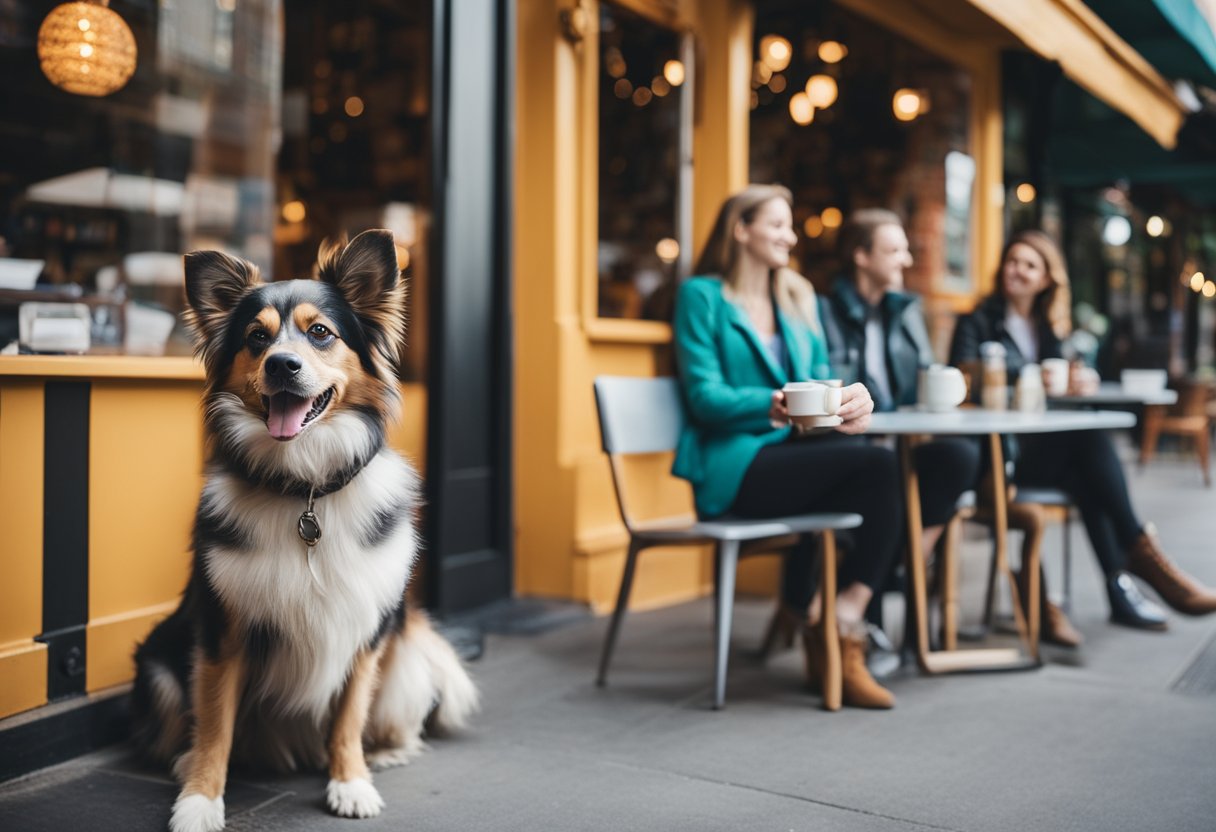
{"points": [[1029, 314]]}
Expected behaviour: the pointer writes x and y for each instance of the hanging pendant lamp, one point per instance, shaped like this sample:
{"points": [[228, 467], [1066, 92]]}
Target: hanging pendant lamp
{"points": [[86, 49]]}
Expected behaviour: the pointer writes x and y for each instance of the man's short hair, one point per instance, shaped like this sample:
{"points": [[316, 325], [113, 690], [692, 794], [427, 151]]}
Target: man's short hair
{"points": [[858, 231]]}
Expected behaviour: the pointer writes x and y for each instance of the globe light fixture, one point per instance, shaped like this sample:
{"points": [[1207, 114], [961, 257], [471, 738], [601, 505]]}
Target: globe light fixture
{"points": [[86, 49]]}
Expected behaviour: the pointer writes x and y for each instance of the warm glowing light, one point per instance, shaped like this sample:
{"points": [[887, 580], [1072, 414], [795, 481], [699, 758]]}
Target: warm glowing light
{"points": [[659, 86], [614, 62], [777, 83], [673, 71], [761, 74], [802, 111], [832, 52], [813, 227], [403, 257], [906, 104], [832, 217], [1198, 281], [642, 96], [667, 249], [1025, 192], [354, 106], [1155, 226], [776, 52], [1209, 289], [622, 88], [821, 89], [294, 211], [96, 65]]}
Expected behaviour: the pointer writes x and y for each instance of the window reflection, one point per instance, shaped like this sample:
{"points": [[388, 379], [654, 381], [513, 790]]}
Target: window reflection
{"points": [[641, 83], [255, 127]]}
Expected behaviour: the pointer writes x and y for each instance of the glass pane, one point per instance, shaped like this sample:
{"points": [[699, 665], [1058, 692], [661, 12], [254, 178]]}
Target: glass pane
{"points": [[356, 140], [103, 194], [849, 115], [641, 81]]}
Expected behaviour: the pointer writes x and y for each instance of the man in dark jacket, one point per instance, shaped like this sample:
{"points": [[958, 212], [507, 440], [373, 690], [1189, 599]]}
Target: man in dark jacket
{"points": [[876, 331]]}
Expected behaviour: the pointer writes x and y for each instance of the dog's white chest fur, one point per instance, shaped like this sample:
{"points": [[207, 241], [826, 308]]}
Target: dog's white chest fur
{"points": [[315, 626]]}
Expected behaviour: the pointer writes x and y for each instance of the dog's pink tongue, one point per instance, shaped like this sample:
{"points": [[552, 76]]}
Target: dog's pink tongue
{"points": [[287, 414]]}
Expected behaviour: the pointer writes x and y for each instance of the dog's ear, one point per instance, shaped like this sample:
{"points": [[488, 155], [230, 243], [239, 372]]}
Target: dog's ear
{"points": [[215, 283], [365, 272]]}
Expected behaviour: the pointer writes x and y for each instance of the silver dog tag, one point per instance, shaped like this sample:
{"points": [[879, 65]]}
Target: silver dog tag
{"points": [[309, 528]]}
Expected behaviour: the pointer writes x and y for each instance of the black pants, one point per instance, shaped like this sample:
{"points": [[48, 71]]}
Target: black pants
{"points": [[1083, 464], [824, 474], [945, 469]]}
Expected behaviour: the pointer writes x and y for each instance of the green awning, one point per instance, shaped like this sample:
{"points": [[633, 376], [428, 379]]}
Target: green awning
{"points": [[1172, 35]]}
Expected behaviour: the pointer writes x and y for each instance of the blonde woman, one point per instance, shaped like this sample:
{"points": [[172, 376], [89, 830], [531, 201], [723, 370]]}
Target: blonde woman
{"points": [[743, 328], [1029, 313]]}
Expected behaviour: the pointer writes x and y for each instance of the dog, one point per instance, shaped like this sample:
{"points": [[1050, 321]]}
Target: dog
{"points": [[292, 647]]}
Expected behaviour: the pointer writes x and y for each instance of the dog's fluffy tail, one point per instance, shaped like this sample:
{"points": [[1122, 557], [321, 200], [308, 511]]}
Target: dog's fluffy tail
{"points": [[456, 697], [423, 685]]}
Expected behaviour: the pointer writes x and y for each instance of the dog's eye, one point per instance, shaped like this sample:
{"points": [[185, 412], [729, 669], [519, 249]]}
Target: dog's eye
{"points": [[258, 338], [319, 332]]}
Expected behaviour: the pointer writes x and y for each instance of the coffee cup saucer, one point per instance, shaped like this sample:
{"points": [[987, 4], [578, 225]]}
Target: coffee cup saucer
{"points": [[807, 425]]}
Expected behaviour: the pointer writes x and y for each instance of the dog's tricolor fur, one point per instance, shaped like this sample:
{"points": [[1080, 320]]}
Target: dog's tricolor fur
{"points": [[268, 659]]}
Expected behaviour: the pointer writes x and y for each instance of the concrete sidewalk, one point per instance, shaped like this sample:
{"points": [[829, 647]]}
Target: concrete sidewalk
{"points": [[1099, 739]]}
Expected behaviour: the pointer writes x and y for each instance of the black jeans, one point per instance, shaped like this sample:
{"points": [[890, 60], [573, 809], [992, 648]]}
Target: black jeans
{"points": [[826, 474], [1083, 464], [945, 469]]}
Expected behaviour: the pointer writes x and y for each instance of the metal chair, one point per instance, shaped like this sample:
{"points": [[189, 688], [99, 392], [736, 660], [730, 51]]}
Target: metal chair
{"points": [[646, 416]]}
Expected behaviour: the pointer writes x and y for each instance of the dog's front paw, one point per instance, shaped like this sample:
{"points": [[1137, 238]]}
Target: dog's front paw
{"points": [[196, 813], [356, 798]]}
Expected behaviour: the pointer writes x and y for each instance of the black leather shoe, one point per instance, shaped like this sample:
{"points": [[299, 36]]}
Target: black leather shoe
{"points": [[1131, 609]]}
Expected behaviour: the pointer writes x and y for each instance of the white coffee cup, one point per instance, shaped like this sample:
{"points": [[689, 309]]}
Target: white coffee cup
{"points": [[1055, 376], [941, 388], [811, 399]]}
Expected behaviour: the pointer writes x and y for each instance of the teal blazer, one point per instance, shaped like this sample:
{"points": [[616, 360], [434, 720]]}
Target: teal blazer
{"points": [[727, 377]]}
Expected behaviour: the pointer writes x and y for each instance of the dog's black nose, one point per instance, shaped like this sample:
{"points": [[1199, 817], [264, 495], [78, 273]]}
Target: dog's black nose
{"points": [[283, 365]]}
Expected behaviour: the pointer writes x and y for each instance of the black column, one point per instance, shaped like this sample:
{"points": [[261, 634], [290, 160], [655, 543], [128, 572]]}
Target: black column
{"points": [[65, 536], [469, 532]]}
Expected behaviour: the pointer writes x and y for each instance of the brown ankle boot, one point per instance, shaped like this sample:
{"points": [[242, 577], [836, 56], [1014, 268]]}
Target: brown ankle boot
{"points": [[1178, 589], [1054, 626], [858, 687]]}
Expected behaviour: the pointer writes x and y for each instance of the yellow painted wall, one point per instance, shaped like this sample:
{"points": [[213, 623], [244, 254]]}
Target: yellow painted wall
{"points": [[145, 472], [22, 660]]}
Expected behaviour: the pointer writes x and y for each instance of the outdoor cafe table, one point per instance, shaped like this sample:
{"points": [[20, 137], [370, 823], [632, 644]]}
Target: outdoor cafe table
{"points": [[1112, 394], [906, 426]]}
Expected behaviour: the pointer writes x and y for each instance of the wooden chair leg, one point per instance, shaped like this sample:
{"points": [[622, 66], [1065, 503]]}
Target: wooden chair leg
{"points": [[728, 562], [949, 576], [622, 603], [832, 676], [1152, 432], [1201, 450]]}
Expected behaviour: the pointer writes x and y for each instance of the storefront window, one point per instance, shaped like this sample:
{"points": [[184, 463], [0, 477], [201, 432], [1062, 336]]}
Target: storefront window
{"points": [[849, 115], [643, 79], [258, 128]]}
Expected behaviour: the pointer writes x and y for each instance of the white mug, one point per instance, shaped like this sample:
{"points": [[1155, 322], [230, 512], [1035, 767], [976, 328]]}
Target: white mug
{"points": [[811, 398], [941, 388], [1055, 373]]}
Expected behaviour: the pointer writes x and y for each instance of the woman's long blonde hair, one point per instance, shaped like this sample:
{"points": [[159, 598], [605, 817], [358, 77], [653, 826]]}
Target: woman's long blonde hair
{"points": [[794, 294], [1054, 303]]}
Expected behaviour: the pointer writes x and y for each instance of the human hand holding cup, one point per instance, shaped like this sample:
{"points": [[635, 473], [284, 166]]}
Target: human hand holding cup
{"points": [[812, 404]]}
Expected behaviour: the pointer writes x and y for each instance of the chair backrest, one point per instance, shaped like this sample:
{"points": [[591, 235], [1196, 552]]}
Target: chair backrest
{"points": [[638, 415]]}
